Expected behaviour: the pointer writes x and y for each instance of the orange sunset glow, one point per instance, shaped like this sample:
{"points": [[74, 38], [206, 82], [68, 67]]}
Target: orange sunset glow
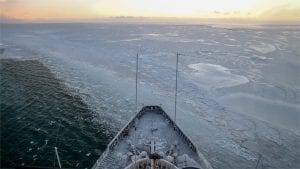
{"points": [[281, 10]]}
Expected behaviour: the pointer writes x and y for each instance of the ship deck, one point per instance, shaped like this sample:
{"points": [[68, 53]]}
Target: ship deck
{"points": [[150, 124]]}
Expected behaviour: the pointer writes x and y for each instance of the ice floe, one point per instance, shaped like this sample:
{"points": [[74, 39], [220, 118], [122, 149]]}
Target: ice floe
{"points": [[125, 40], [268, 109], [236, 149], [263, 48], [215, 76]]}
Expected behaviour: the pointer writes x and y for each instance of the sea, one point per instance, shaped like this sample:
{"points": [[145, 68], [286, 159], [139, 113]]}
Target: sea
{"points": [[72, 86]]}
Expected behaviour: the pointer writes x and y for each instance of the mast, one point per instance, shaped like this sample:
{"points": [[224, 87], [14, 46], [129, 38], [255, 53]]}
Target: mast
{"points": [[177, 54]]}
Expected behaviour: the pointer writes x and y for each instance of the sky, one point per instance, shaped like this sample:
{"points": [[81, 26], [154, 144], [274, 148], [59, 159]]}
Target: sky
{"points": [[274, 10]]}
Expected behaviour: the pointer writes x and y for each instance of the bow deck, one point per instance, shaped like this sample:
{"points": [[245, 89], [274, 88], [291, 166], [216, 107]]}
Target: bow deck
{"points": [[151, 134]]}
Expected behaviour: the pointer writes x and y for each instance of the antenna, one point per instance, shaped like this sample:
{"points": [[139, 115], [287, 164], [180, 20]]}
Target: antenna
{"points": [[177, 54], [57, 156], [55, 147], [136, 84], [136, 106], [258, 161]]}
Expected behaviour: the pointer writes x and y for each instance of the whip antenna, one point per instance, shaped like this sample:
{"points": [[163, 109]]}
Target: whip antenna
{"points": [[136, 102], [177, 54], [136, 84]]}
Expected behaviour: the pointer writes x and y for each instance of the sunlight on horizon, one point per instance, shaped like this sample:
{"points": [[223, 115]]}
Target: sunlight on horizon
{"points": [[203, 9]]}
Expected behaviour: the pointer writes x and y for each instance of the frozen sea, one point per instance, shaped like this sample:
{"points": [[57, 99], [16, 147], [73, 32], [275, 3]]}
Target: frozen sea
{"points": [[238, 87]]}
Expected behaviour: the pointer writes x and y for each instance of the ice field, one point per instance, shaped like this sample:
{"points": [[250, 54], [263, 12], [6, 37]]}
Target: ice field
{"points": [[238, 88]]}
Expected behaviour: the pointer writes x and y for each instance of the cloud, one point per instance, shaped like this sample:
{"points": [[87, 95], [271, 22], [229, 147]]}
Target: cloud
{"points": [[8, 19], [284, 12]]}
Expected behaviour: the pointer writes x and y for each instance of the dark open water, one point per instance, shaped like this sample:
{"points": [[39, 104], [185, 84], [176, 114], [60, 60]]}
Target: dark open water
{"points": [[37, 112]]}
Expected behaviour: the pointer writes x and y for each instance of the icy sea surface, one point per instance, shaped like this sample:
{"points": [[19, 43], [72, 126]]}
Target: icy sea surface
{"points": [[238, 90]]}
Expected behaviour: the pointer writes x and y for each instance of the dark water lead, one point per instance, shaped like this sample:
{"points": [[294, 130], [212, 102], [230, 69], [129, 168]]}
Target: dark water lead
{"points": [[36, 108]]}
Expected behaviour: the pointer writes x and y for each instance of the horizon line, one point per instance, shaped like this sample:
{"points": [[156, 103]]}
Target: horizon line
{"points": [[154, 19]]}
